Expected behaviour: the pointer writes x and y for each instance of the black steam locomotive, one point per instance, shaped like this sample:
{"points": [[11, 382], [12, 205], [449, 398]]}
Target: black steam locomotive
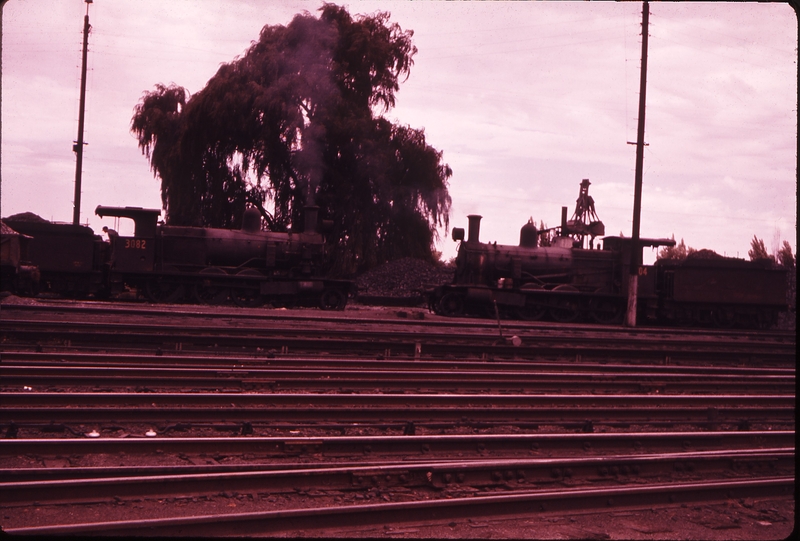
{"points": [[565, 281], [175, 264]]}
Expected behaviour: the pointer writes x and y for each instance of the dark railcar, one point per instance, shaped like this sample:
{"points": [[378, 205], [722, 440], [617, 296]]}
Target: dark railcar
{"points": [[720, 291], [17, 275], [69, 257]]}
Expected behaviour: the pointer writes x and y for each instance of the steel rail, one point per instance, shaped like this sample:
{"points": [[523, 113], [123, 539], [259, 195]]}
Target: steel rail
{"points": [[448, 446], [161, 360], [506, 474], [346, 518], [77, 377], [386, 401], [10, 368], [16, 475], [389, 368], [349, 416]]}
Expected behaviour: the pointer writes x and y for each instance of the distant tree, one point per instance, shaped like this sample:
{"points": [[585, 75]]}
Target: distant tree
{"points": [[785, 256], [545, 237], [678, 252], [296, 121], [757, 249]]}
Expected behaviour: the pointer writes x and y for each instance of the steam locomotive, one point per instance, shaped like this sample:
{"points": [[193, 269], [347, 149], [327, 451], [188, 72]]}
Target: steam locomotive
{"points": [[174, 264], [552, 275]]}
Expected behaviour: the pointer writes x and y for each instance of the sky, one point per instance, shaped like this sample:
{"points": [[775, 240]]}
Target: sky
{"points": [[524, 99]]}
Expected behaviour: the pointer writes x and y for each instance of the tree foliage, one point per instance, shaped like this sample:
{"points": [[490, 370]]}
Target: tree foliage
{"points": [[757, 249], [785, 256], [297, 120], [678, 252]]}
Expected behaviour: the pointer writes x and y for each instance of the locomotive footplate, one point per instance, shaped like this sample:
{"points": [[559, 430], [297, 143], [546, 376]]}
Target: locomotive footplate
{"points": [[292, 288], [507, 298]]}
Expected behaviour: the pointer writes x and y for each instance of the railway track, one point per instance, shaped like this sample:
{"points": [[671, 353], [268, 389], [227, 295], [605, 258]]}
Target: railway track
{"points": [[339, 412], [338, 519], [189, 331], [259, 452], [560, 378], [399, 318], [156, 359], [115, 419], [485, 475]]}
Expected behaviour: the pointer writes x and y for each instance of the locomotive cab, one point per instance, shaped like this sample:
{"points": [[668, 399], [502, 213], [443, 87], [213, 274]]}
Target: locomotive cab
{"points": [[136, 253]]}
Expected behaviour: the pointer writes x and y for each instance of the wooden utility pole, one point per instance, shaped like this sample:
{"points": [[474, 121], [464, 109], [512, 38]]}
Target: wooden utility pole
{"points": [[2, 5], [636, 249], [78, 146]]}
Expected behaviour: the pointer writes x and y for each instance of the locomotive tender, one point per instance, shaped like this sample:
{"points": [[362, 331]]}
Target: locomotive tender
{"points": [[175, 263], [565, 282]]}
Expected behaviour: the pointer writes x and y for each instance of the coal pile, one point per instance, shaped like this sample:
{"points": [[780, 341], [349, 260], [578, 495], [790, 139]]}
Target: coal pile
{"points": [[26, 217], [404, 279]]}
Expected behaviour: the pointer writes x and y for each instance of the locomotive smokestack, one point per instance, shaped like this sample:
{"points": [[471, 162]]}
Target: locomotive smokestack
{"points": [[474, 227], [310, 215]]}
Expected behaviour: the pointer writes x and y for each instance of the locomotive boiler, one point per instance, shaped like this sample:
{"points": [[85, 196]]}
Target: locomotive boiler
{"points": [[559, 274]]}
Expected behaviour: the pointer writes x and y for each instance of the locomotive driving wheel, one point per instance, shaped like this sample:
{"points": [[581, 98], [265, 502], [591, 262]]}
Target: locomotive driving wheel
{"points": [[684, 317], [159, 290], [452, 304], [247, 295], [332, 299], [766, 319], [565, 309], [725, 317], [206, 291], [532, 312], [605, 310], [162, 289]]}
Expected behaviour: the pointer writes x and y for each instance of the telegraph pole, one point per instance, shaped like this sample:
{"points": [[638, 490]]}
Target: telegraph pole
{"points": [[78, 146], [636, 249], [2, 5]]}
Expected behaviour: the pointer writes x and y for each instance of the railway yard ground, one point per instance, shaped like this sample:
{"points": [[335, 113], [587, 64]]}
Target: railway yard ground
{"points": [[123, 418]]}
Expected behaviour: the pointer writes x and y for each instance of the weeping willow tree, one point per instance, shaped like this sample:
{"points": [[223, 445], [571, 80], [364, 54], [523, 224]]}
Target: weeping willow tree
{"points": [[298, 120]]}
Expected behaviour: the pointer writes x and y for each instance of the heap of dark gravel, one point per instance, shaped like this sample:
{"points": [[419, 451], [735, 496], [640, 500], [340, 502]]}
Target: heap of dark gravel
{"points": [[26, 217], [404, 278]]}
